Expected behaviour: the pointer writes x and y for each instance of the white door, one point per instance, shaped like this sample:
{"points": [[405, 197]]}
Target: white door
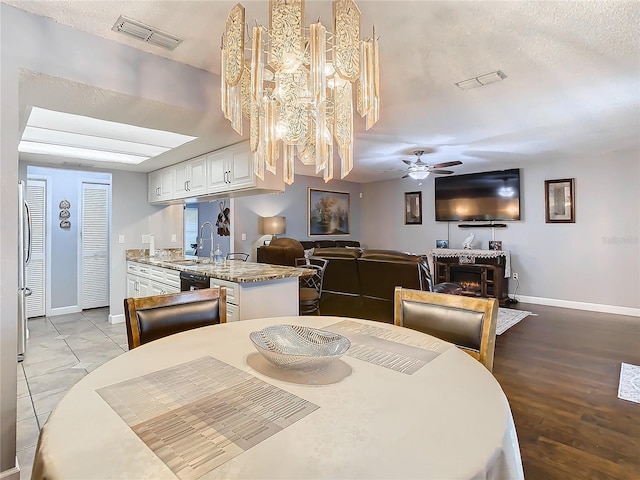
{"points": [[95, 245], [35, 278]]}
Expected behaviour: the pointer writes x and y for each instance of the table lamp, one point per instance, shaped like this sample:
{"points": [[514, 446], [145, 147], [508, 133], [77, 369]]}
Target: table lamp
{"points": [[274, 226]]}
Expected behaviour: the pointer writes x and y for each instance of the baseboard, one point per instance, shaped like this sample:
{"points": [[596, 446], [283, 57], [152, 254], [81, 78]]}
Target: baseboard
{"points": [[118, 318], [591, 307], [64, 311], [12, 473]]}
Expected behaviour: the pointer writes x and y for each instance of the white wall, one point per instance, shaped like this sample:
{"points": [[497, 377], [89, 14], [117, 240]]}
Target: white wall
{"points": [[133, 217], [292, 204], [41, 45], [592, 263]]}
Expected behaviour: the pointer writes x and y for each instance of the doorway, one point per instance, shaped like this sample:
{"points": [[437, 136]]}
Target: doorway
{"points": [[76, 220]]}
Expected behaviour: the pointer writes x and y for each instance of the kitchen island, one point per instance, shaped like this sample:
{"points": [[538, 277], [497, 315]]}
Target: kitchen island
{"points": [[254, 290]]}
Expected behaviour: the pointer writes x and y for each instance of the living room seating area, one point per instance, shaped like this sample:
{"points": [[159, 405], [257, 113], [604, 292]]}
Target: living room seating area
{"points": [[359, 282]]}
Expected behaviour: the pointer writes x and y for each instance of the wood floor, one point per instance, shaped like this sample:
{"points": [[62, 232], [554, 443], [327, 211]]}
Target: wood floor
{"points": [[560, 373]]}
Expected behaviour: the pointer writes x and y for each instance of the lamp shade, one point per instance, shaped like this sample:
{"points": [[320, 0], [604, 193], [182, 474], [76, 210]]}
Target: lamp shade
{"points": [[274, 225]]}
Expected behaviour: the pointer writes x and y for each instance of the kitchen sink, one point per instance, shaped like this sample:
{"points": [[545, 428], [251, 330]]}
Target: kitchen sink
{"points": [[190, 261]]}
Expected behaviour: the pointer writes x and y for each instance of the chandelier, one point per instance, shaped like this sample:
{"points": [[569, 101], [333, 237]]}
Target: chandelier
{"points": [[296, 86]]}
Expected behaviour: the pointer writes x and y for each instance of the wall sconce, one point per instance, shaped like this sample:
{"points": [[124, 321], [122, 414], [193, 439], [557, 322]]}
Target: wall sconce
{"points": [[274, 226]]}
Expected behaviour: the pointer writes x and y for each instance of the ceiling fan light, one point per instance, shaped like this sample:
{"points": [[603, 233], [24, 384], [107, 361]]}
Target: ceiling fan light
{"points": [[419, 174]]}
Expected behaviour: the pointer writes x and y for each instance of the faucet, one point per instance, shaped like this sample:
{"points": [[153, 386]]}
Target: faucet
{"points": [[210, 238]]}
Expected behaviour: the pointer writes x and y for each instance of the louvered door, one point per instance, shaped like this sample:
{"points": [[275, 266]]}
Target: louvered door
{"points": [[95, 245], [35, 278]]}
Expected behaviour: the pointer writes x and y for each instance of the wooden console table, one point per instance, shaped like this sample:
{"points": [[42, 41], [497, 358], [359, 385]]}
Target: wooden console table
{"points": [[482, 273]]}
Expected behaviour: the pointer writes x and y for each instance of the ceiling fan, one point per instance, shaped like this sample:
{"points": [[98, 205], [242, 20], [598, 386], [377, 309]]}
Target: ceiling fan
{"points": [[419, 170]]}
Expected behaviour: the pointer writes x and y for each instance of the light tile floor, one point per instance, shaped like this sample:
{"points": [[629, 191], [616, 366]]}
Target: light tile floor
{"points": [[60, 351]]}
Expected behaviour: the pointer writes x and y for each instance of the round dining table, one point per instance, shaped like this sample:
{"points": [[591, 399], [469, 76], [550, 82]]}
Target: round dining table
{"points": [[204, 404]]}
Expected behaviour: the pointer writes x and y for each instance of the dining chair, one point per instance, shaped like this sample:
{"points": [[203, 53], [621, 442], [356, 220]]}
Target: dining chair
{"points": [[158, 316], [238, 256], [468, 322], [311, 286]]}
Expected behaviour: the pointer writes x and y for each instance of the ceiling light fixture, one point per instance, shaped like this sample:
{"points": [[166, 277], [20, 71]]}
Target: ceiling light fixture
{"points": [[481, 80], [419, 174], [296, 87], [74, 136], [146, 33]]}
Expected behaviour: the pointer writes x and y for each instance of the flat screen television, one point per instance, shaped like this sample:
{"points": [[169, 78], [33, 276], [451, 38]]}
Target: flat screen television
{"points": [[485, 196]]}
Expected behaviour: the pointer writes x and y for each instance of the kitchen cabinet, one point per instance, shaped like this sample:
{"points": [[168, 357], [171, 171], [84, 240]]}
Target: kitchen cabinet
{"points": [[227, 172], [161, 185], [273, 298], [230, 169], [145, 280], [190, 178]]}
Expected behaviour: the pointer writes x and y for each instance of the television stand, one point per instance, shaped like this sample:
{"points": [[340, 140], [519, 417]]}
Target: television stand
{"points": [[482, 273]]}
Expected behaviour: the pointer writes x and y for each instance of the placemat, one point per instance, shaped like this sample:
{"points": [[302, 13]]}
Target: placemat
{"points": [[197, 415], [389, 349]]}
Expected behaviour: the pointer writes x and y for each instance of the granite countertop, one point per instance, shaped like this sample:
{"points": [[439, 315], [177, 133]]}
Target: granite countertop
{"points": [[231, 270]]}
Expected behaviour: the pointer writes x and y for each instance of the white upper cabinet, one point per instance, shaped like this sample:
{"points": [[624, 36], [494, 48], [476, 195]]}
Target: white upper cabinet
{"points": [[230, 169], [225, 172], [190, 178], [161, 185]]}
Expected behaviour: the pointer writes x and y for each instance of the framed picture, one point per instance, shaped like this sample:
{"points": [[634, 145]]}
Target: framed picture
{"points": [[495, 245], [442, 243], [559, 201], [328, 212], [413, 208]]}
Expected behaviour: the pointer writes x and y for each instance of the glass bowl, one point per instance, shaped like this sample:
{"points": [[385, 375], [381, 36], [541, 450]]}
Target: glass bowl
{"points": [[299, 348]]}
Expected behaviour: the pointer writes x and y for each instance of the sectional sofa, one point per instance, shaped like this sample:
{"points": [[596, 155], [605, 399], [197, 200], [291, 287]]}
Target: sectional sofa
{"points": [[359, 282]]}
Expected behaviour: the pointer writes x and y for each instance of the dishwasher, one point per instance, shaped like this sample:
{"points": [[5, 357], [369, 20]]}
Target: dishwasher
{"points": [[193, 281]]}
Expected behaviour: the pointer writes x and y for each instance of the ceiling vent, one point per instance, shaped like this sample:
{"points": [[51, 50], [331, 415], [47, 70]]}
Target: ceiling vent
{"points": [[146, 33], [481, 80]]}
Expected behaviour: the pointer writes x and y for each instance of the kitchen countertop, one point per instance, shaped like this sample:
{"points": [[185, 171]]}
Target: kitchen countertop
{"points": [[231, 270]]}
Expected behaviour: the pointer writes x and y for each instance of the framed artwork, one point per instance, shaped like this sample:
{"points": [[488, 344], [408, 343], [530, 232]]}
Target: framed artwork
{"points": [[495, 245], [559, 201], [328, 213], [413, 208], [442, 243]]}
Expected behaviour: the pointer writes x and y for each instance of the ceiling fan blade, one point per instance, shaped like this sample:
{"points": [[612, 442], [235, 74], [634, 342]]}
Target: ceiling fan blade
{"points": [[408, 162], [442, 172], [448, 164], [405, 176]]}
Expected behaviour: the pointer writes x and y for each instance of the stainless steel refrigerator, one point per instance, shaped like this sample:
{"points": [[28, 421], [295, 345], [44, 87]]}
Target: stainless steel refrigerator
{"points": [[24, 255]]}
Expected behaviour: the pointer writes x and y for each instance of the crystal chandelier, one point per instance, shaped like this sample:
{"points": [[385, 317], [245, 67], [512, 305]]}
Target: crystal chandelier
{"points": [[295, 86]]}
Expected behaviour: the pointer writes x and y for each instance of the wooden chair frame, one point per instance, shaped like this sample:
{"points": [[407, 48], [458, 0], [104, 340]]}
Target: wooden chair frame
{"points": [[133, 304], [488, 306]]}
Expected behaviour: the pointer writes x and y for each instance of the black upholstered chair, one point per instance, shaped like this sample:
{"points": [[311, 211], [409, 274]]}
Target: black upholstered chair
{"points": [[468, 322], [238, 256], [311, 286], [158, 316]]}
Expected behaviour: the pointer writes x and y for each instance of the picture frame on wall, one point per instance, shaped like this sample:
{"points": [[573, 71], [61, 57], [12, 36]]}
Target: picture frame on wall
{"points": [[413, 208], [559, 201], [328, 212]]}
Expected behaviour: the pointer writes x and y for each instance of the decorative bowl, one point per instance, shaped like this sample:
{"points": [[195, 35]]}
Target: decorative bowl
{"points": [[299, 348]]}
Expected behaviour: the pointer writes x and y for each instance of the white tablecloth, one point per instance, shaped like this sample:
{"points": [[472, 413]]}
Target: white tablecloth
{"points": [[367, 416]]}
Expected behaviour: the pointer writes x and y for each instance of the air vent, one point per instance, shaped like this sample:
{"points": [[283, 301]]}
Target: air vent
{"points": [[481, 80], [146, 33]]}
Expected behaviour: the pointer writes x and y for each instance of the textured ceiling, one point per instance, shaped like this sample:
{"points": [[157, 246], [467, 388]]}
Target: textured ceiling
{"points": [[572, 86]]}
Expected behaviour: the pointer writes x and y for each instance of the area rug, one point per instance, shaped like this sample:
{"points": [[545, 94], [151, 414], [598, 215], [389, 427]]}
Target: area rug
{"points": [[629, 386], [508, 317]]}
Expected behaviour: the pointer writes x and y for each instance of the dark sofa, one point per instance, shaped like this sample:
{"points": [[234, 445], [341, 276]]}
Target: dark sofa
{"points": [[284, 251], [360, 283]]}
